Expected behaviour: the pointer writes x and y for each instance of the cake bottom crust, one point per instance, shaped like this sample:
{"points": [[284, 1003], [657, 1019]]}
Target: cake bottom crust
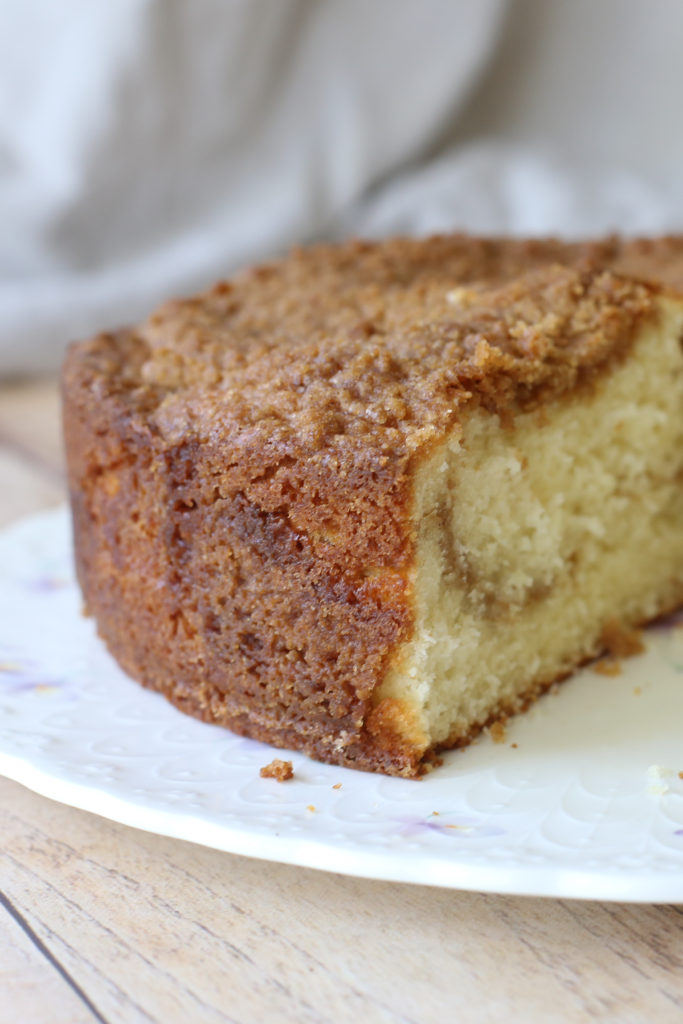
{"points": [[400, 760]]}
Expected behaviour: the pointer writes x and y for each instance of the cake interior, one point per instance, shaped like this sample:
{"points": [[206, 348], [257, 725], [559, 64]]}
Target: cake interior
{"points": [[533, 538]]}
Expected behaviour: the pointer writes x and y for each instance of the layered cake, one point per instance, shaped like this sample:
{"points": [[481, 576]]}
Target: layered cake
{"points": [[366, 500]]}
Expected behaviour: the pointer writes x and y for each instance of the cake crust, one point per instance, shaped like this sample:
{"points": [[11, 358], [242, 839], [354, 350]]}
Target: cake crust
{"points": [[242, 465]]}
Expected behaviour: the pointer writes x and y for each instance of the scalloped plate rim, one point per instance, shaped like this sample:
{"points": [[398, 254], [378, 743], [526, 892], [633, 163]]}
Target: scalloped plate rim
{"points": [[525, 880]]}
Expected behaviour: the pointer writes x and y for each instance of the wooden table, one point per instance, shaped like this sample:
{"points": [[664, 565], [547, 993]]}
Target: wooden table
{"points": [[102, 922]]}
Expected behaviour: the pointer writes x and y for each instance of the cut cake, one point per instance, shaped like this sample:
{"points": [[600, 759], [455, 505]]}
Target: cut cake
{"points": [[366, 500]]}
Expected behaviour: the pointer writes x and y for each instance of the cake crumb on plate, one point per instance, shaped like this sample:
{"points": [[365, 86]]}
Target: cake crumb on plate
{"points": [[279, 770], [497, 732], [607, 667], [622, 642]]}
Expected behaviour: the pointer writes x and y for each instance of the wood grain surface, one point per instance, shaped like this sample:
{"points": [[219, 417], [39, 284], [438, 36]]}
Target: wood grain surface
{"points": [[99, 922]]}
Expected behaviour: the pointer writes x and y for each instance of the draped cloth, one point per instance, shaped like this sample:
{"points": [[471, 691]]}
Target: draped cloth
{"points": [[148, 147]]}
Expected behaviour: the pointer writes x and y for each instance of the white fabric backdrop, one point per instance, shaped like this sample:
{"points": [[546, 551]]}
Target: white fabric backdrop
{"points": [[149, 146]]}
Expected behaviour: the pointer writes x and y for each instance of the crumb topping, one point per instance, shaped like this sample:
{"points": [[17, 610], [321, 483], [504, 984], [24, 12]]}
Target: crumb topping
{"points": [[382, 343]]}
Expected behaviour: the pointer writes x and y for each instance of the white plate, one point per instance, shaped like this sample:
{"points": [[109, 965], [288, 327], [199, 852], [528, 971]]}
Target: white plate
{"points": [[582, 800]]}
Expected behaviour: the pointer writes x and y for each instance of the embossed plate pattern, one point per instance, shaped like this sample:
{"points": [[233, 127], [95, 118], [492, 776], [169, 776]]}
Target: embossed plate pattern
{"points": [[583, 799]]}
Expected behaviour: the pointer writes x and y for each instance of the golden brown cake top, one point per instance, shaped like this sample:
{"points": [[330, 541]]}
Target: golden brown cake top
{"points": [[387, 340], [384, 343]]}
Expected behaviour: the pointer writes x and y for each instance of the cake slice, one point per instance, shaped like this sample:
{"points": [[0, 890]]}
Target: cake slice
{"points": [[369, 499]]}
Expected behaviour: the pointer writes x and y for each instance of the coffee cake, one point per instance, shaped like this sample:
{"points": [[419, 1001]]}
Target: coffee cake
{"points": [[368, 499]]}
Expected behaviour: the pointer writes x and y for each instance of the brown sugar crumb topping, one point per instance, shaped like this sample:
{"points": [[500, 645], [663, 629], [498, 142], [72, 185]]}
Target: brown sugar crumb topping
{"points": [[281, 771], [383, 343]]}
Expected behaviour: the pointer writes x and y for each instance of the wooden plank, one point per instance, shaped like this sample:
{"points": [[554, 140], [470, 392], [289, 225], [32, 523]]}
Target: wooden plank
{"points": [[155, 929], [30, 424], [31, 462], [31, 989], [25, 488]]}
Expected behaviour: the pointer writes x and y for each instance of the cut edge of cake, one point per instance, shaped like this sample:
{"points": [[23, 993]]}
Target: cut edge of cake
{"points": [[535, 536]]}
